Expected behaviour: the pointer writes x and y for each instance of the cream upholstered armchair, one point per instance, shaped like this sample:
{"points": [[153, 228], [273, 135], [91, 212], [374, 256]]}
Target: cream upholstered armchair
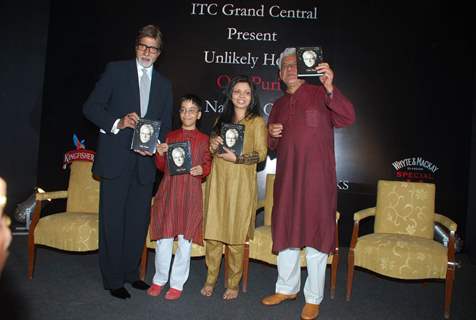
{"points": [[261, 245], [75, 229], [402, 244]]}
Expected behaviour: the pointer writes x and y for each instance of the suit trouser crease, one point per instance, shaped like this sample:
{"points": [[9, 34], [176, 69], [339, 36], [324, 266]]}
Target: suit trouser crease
{"points": [[180, 267], [123, 219], [289, 273]]}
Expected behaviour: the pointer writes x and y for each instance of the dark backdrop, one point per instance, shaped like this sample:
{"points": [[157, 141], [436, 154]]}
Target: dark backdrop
{"points": [[23, 36], [409, 69]]}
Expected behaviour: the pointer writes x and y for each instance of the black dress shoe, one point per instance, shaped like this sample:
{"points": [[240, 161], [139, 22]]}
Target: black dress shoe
{"points": [[120, 293], [139, 284]]}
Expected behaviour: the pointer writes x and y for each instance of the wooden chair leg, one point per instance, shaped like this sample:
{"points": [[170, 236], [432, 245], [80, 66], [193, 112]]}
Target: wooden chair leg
{"points": [[31, 239], [335, 259], [350, 274], [334, 266], [31, 255], [143, 263], [246, 260], [450, 275]]}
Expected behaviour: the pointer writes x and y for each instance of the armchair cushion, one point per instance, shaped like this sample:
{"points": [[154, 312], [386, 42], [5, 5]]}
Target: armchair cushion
{"points": [[83, 189], [401, 256], [405, 208], [71, 231]]}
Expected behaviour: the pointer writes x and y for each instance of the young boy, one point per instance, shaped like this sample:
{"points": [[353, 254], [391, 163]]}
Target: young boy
{"points": [[178, 209]]}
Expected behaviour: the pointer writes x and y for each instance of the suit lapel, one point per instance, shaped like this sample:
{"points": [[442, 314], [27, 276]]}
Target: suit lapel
{"points": [[152, 110], [134, 86]]}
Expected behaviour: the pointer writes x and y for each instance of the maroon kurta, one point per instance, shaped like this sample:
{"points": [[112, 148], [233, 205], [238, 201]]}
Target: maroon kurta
{"points": [[305, 190], [178, 205]]}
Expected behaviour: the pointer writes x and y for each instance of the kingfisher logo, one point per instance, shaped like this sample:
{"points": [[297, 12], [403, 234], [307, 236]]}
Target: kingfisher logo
{"points": [[80, 153], [415, 169]]}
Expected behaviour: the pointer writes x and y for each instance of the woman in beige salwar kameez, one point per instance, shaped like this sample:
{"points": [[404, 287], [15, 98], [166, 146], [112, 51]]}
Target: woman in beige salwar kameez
{"points": [[231, 189]]}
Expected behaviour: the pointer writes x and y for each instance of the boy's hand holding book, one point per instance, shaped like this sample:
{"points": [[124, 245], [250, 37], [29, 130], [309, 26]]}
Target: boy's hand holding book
{"points": [[162, 148], [196, 171]]}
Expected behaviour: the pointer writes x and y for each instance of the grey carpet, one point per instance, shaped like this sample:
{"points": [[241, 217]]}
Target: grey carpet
{"points": [[68, 286]]}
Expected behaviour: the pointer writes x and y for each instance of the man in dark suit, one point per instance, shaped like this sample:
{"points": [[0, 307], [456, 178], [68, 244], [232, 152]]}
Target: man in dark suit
{"points": [[126, 90]]}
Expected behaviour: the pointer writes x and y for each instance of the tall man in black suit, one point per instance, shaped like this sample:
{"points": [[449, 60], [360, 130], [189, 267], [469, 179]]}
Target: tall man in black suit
{"points": [[126, 90]]}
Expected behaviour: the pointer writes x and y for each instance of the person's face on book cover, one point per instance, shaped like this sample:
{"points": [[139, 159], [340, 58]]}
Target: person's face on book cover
{"points": [[309, 58], [178, 155], [231, 136], [145, 133]]}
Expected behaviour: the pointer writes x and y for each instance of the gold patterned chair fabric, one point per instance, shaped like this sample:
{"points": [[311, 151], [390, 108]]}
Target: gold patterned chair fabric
{"points": [[75, 229], [402, 244], [260, 248]]}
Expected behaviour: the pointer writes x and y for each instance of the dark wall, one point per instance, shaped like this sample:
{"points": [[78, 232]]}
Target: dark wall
{"points": [[411, 75], [408, 68], [470, 240], [23, 35]]}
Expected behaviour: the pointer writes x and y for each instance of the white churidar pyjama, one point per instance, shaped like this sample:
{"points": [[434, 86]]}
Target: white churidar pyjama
{"points": [[180, 267], [289, 273]]}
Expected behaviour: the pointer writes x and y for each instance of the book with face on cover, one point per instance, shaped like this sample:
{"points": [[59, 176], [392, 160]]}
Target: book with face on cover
{"points": [[307, 60], [179, 158], [146, 135], [233, 136]]}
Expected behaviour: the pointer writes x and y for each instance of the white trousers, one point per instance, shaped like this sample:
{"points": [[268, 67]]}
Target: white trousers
{"points": [[289, 273], [180, 267]]}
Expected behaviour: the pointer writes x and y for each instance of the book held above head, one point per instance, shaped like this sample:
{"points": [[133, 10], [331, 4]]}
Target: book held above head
{"points": [[146, 135], [308, 58], [232, 135]]}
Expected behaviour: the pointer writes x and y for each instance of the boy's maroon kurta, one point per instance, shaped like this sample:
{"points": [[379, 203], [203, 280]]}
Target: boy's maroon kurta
{"points": [[305, 190], [178, 205]]}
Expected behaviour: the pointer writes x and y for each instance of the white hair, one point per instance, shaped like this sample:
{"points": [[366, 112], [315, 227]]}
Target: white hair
{"points": [[285, 53], [178, 151]]}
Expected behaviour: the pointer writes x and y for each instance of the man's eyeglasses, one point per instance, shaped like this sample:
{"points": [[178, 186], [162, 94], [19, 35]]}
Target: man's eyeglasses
{"points": [[143, 47]]}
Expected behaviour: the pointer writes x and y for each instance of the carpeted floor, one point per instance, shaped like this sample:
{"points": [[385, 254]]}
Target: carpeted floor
{"points": [[68, 286]]}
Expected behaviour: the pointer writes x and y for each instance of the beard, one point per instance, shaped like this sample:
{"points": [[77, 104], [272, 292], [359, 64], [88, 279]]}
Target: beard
{"points": [[145, 62]]}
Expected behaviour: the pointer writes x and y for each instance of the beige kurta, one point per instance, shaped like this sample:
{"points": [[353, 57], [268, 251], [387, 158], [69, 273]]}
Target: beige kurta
{"points": [[231, 190]]}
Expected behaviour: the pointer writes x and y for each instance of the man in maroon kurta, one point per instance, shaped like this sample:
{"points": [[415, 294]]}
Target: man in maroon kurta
{"points": [[301, 130]]}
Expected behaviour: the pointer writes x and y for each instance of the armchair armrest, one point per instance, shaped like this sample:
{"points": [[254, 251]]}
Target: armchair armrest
{"points": [[447, 222], [36, 213], [365, 213], [451, 225], [51, 195], [359, 215]]}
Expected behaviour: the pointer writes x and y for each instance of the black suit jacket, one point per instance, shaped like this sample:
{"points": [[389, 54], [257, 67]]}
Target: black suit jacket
{"points": [[115, 95]]}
